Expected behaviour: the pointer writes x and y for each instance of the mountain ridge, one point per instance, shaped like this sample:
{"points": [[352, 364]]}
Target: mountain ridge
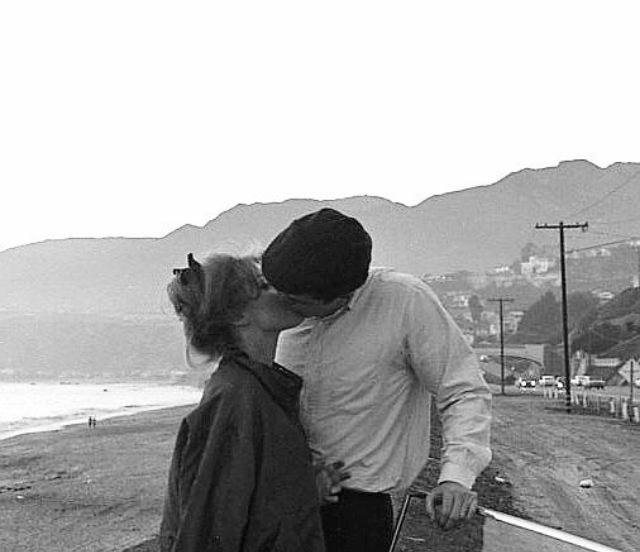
{"points": [[473, 229]]}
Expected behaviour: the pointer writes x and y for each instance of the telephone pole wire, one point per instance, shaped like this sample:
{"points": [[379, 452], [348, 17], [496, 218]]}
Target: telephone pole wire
{"points": [[563, 278], [501, 300]]}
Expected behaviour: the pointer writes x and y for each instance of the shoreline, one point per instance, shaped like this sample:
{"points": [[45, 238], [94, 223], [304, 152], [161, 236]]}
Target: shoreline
{"points": [[72, 422], [143, 401]]}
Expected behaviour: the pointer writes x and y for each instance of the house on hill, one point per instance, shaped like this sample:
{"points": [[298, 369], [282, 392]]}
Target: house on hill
{"points": [[618, 365], [623, 361], [602, 366]]}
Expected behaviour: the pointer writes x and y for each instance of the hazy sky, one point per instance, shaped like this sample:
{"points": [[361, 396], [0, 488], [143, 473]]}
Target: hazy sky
{"points": [[131, 118]]}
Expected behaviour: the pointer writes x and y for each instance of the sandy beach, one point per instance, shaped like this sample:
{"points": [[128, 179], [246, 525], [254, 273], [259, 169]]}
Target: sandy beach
{"points": [[101, 490], [81, 489]]}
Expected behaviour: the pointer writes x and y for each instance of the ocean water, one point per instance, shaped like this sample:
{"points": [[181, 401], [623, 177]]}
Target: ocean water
{"points": [[32, 407]]}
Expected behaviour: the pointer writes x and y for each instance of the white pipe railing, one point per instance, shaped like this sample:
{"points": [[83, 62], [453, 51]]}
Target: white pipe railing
{"points": [[536, 529], [550, 532]]}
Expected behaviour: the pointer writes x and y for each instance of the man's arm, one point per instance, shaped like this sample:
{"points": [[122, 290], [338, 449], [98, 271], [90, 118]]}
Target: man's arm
{"points": [[448, 367]]}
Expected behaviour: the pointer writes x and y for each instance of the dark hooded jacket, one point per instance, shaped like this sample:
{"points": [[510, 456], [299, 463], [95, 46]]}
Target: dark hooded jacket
{"points": [[241, 478]]}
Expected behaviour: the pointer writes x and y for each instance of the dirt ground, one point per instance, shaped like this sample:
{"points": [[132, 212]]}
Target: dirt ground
{"points": [[541, 456], [545, 453]]}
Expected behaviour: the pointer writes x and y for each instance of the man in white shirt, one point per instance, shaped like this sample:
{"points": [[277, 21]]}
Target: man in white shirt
{"points": [[376, 346]]}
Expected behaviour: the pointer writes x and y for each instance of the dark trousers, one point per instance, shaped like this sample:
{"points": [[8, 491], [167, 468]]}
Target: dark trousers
{"points": [[358, 522]]}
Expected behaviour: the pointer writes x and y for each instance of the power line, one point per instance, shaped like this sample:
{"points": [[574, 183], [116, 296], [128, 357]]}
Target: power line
{"points": [[603, 233], [607, 195], [613, 222], [598, 245]]}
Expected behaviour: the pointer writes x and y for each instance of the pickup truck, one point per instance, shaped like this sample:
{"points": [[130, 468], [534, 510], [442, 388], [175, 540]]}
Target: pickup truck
{"points": [[547, 381], [588, 382], [594, 383]]}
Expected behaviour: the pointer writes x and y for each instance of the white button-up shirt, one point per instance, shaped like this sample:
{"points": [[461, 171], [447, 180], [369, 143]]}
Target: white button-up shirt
{"points": [[370, 370]]}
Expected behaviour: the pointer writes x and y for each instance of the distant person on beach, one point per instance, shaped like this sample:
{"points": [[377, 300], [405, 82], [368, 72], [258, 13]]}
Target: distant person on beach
{"points": [[241, 477], [375, 348]]}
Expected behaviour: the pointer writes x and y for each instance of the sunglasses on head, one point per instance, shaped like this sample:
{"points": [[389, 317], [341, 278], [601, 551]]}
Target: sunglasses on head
{"points": [[190, 275]]}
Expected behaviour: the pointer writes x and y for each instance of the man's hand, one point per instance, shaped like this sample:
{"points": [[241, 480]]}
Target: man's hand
{"points": [[329, 478], [450, 503]]}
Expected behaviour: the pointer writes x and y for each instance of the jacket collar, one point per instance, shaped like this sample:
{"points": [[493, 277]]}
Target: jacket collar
{"points": [[282, 384]]}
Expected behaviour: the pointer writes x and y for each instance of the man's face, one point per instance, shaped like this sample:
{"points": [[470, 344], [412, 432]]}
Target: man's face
{"points": [[269, 310], [309, 306]]}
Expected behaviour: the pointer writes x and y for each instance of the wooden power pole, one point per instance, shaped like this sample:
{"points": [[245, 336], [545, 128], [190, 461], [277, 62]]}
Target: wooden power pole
{"points": [[565, 326], [501, 300]]}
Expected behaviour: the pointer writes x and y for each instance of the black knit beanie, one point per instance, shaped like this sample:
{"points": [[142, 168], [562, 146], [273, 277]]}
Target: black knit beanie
{"points": [[324, 254]]}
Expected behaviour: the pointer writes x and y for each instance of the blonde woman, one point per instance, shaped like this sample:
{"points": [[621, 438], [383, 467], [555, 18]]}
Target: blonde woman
{"points": [[241, 477]]}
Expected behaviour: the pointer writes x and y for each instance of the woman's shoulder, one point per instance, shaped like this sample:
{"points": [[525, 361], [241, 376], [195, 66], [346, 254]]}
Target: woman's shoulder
{"points": [[230, 385], [227, 404], [228, 377]]}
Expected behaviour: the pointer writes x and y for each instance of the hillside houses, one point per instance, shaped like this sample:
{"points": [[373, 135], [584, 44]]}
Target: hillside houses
{"points": [[614, 370], [603, 271], [536, 265], [608, 268], [482, 325], [524, 282], [541, 272], [618, 365]]}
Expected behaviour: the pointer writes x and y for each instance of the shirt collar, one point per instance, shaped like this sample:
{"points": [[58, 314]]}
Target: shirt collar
{"points": [[355, 296]]}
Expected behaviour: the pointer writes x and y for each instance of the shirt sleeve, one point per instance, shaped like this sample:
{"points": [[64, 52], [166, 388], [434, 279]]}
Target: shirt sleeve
{"points": [[217, 480], [447, 366]]}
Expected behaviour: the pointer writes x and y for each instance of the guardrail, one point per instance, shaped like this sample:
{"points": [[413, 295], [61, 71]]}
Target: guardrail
{"points": [[598, 402]]}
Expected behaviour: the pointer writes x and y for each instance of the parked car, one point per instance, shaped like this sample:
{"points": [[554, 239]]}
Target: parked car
{"points": [[579, 380], [594, 383], [547, 381], [525, 383], [637, 382]]}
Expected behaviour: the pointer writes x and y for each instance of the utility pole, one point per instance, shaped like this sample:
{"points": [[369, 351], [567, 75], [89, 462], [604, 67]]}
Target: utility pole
{"points": [[563, 277], [501, 300], [635, 244], [632, 364]]}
